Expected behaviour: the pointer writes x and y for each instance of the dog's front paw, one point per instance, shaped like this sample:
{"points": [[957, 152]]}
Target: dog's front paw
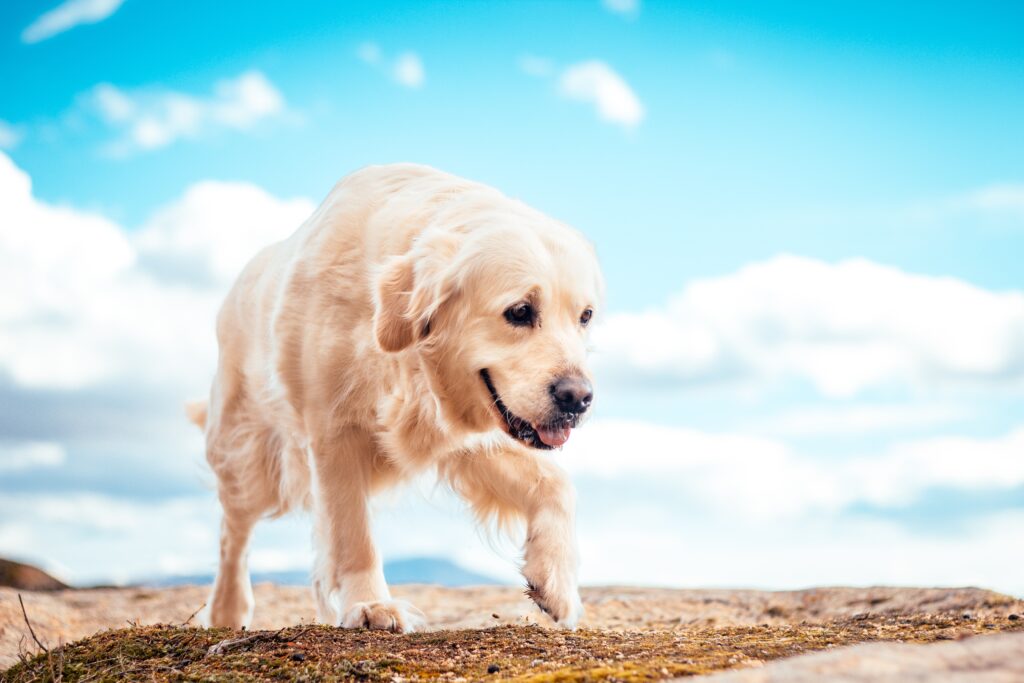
{"points": [[558, 598], [397, 616]]}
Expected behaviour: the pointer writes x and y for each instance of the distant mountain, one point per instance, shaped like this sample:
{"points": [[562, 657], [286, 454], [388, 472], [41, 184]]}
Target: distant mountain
{"points": [[434, 570], [26, 577], [430, 570]]}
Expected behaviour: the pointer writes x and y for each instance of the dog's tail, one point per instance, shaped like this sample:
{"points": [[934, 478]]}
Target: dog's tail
{"points": [[196, 412]]}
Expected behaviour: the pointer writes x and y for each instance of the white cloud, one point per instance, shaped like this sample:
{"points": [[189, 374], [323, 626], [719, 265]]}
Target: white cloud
{"points": [[408, 70], [998, 205], [369, 52], [760, 478], [843, 327], [211, 232], [1002, 198], [596, 83], [961, 463], [81, 532], [16, 457], [715, 509], [626, 7], [10, 136], [858, 419], [645, 546], [98, 304], [539, 67], [627, 544], [153, 118], [68, 15], [730, 475]]}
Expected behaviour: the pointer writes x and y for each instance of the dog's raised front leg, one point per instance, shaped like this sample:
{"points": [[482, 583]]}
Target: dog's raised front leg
{"points": [[348, 578], [527, 484]]}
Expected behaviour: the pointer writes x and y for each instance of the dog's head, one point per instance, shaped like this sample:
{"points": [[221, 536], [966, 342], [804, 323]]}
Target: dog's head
{"points": [[498, 311]]}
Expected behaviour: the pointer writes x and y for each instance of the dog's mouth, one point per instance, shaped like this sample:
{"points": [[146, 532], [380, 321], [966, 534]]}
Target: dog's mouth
{"points": [[552, 434]]}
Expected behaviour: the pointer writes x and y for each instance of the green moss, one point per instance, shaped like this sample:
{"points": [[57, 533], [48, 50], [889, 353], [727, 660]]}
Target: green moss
{"points": [[512, 653]]}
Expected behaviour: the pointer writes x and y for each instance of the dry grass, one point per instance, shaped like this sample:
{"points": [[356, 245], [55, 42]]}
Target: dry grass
{"points": [[503, 653]]}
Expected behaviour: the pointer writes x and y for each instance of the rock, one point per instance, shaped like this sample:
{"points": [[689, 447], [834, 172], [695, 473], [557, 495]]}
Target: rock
{"points": [[982, 659]]}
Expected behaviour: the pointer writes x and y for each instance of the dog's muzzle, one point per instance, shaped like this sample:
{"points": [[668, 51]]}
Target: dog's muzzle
{"points": [[570, 397]]}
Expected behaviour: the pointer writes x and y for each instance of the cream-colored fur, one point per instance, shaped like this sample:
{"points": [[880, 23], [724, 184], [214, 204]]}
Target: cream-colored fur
{"points": [[350, 360]]}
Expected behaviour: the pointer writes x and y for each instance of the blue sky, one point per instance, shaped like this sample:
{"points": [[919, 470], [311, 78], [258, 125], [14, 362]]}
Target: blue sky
{"points": [[810, 216]]}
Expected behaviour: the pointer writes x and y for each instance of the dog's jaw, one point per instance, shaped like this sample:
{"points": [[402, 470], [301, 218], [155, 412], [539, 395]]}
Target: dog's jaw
{"points": [[555, 432], [517, 427]]}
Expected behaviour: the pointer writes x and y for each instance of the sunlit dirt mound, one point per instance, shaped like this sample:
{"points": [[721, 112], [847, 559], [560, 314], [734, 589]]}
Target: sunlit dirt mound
{"points": [[505, 653], [629, 634]]}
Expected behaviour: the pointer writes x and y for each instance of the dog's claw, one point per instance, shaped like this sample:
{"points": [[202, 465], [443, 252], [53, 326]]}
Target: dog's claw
{"points": [[397, 616], [537, 596]]}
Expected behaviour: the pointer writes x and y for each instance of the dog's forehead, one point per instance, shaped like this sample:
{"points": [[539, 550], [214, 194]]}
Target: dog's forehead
{"points": [[541, 256]]}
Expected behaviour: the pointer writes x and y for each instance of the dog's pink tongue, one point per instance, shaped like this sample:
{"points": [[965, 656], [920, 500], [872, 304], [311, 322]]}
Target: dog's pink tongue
{"points": [[554, 436]]}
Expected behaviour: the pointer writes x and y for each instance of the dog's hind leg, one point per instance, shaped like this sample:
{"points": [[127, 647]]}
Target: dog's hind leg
{"points": [[348, 577], [247, 463], [232, 603]]}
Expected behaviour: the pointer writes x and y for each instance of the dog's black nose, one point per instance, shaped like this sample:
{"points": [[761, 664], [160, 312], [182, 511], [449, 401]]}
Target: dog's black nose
{"points": [[572, 394]]}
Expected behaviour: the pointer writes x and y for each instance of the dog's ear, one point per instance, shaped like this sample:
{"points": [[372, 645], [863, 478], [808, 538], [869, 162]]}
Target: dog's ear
{"points": [[392, 323], [411, 289]]}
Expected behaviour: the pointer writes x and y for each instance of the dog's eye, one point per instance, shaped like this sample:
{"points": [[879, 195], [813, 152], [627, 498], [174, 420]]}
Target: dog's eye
{"points": [[585, 316], [521, 315]]}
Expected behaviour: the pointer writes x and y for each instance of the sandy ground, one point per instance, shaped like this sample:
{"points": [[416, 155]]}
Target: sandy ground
{"points": [[65, 616]]}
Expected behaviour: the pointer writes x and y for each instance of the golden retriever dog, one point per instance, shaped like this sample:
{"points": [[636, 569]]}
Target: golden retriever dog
{"points": [[416, 322]]}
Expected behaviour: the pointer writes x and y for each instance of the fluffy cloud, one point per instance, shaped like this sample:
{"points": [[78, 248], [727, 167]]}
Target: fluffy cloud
{"points": [[843, 327], [208, 235], [68, 15], [1004, 198], [759, 478], [596, 83], [858, 419], [75, 535], [625, 7], [104, 318], [98, 304], [538, 67], [645, 545], [10, 136], [406, 69], [151, 118], [369, 52], [25, 456], [592, 82], [999, 207], [1000, 204], [710, 510]]}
